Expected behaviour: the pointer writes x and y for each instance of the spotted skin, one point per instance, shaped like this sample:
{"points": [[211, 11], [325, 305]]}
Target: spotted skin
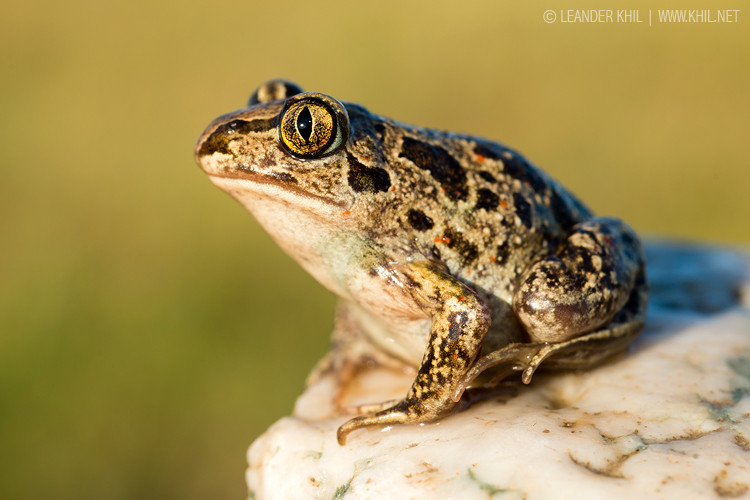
{"points": [[449, 253], [418, 220]]}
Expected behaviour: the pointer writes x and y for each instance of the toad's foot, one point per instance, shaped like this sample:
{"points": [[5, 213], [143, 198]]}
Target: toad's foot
{"points": [[579, 353], [404, 412]]}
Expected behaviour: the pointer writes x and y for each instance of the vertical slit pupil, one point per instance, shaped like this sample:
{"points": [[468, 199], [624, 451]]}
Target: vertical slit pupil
{"points": [[305, 124]]}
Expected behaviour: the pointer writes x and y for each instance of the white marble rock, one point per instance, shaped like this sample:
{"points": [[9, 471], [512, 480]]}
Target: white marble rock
{"points": [[668, 419]]}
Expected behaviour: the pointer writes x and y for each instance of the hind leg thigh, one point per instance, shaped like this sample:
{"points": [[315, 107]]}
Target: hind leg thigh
{"points": [[583, 285]]}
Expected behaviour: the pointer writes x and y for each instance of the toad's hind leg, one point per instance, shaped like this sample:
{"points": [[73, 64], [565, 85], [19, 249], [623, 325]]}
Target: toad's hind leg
{"points": [[579, 306], [583, 285], [581, 352]]}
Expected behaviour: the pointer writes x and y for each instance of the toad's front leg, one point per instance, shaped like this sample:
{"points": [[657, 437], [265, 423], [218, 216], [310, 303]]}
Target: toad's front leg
{"points": [[459, 322]]}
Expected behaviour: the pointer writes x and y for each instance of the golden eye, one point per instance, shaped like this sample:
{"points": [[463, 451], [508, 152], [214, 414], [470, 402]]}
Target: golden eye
{"points": [[309, 128]]}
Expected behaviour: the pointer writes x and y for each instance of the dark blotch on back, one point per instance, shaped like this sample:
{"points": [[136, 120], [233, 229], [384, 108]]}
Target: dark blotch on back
{"points": [[513, 163], [523, 209], [487, 200], [418, 220], [518, 168], [464, 247], [487, 176], [219, 140], [443, 167], [503, 252], [488, 150], [367, 179]]}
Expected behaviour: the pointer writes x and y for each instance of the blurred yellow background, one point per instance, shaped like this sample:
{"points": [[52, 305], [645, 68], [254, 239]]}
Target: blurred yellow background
{"points": [[150, 330]]}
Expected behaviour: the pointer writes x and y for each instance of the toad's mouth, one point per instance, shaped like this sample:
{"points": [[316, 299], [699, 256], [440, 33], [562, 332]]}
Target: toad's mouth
{"points": [[246, 185]]}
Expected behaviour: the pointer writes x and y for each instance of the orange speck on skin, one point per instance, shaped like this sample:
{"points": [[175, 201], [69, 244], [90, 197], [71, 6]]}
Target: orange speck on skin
{"points": [[480, 158], [504, 204], [346, 212], [461, 298], [442, 239], [393, 188], [493, 259]]}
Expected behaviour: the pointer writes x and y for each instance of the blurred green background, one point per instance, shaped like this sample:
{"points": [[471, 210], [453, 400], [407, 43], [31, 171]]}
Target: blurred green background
{"points": [[150, 330]]}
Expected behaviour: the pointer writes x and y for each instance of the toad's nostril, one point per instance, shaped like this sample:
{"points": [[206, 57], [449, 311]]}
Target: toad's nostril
{"points": [[216, 139]]}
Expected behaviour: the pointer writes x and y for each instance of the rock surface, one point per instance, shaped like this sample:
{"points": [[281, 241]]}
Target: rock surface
{"points": [[669, 419]]}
